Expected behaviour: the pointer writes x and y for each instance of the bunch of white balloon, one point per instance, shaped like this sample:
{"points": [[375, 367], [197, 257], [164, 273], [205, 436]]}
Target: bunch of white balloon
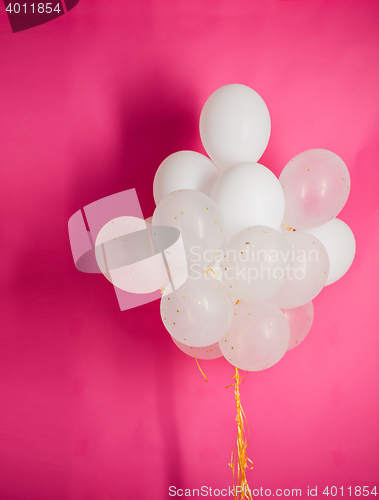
{"points": [[259, 249]]}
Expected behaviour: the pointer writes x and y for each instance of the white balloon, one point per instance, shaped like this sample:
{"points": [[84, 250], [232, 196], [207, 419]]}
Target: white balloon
{"points": [[199, 221], [235, 125], [184, 170], [307, 270], [209, 352], [339, 242], [258, 338], [249, 194], [199, 313], [254, 264]]}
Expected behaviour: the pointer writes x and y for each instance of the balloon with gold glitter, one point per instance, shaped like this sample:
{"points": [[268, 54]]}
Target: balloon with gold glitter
{"points": [[199, 313], [200, 222], [258, 338]]}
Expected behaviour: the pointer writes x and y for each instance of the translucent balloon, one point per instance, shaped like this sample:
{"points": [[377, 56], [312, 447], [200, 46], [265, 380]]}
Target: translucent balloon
{"points": [[316, 185], [254, 265], [339, 242], [258, 338], [209, 352], [249, 194], [200, 222], [184, 170], [199, 313], [235, 125], [307, 271], [300, 320]]}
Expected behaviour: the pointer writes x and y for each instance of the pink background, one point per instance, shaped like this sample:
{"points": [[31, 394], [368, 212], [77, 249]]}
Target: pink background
{"points": [[98, 403]]}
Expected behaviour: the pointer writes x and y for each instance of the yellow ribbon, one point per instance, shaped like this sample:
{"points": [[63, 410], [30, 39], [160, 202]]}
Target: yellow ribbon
{"points": [[214, 274], [242, 491], [239, 461], [205, 377]]}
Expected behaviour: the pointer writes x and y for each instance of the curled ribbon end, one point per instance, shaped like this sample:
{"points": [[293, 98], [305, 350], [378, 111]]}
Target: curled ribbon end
{"points": [[205, 377]]}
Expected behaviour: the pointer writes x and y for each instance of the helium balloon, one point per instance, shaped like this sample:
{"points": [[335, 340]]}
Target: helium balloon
{"points": [[200, 222], [235, 125], [199, 313], [339, 242], [300, 320], [209, 352], [254, 264], [307, 271], [249, 194], [258, 338], [184, 170], [316, 185]]}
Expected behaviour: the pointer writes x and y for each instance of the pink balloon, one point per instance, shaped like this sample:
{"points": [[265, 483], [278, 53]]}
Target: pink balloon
{"points": [[300, 320], [210, 352], [316, 185]]}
